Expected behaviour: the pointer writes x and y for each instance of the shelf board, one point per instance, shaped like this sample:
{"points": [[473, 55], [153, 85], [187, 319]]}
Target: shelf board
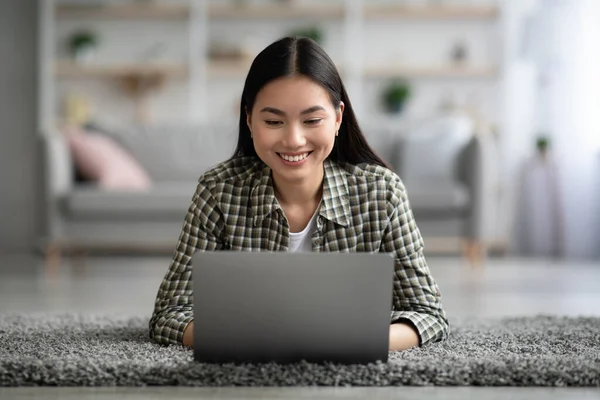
{"points": [[123, 11], [431, 11], [70, 69], [449, 71], [275, 11], [227, 68], [181, 11], [233, 68]]}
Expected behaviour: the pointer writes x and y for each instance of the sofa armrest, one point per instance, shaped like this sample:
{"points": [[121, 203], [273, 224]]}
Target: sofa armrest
{"points": [[58, 164], [58, 179]]}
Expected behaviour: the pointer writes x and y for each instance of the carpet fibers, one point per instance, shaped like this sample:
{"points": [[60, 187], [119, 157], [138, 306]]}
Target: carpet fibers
{"points": [[78, 350]]}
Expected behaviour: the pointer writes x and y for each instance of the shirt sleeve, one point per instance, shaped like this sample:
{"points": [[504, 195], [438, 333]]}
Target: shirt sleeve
{"points": [[416, 296], [202, 230]]}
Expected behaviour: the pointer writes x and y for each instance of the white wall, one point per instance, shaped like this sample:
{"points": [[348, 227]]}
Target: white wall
{"points": [[574, 113], [518, 112], [559, 47]]}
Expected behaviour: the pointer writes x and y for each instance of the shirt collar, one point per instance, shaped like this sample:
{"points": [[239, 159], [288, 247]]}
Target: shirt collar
{"points": [[262, 196], [335, 204]]}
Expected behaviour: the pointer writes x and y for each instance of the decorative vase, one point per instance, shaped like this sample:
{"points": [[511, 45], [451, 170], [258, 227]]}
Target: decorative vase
{"points": [[396, 108], [84, 54]]}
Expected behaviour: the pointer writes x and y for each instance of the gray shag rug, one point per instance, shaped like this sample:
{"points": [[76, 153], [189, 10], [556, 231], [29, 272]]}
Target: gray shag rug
{"points": [[77, 350]]}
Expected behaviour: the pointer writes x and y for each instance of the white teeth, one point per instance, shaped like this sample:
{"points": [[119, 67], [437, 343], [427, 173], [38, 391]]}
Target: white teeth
{"points": [[294, 158]]}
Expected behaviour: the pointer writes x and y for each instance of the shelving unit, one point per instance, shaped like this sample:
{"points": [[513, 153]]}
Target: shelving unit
{"points": [[355, 17]]}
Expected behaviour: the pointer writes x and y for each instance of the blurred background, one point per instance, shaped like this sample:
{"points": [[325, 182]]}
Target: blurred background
{"points": [[487, 109]]}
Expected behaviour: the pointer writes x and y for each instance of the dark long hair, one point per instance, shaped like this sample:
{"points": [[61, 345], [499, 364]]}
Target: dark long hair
{"points": [[303, 56]]}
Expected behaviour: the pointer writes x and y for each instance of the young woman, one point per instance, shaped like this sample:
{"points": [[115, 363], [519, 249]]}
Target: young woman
{"points": [[302, 178]]}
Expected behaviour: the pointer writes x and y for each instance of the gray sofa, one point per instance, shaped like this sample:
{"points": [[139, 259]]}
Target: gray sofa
{"points": [[449, 168], [442, 163]]}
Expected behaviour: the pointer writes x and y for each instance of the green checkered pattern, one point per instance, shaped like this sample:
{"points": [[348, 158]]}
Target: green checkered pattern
{"points": [[364, 208]]}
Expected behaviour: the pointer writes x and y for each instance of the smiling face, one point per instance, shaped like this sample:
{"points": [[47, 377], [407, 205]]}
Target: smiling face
{"points": [[293, 126]]}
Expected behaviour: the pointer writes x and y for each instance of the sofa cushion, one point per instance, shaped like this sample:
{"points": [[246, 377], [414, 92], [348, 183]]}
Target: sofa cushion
{"points": [[98, 158], [384, 141], [430, 151], [437, 197], [174, 152], [162, 201]]}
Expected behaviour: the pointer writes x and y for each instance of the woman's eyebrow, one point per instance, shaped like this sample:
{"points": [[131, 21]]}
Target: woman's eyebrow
{"points": [[272, 111], [276, 111], [312, 110]]}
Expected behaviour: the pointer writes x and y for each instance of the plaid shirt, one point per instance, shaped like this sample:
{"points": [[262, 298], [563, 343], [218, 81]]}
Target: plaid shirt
{"points": [[364, 208]]}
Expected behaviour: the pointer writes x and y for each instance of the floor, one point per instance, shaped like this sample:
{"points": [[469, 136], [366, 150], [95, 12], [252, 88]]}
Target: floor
{"points": [[128, 284]]}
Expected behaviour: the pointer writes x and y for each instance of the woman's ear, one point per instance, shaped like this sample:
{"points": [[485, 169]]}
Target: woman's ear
{"points": [[339, 116], [248, 121]]}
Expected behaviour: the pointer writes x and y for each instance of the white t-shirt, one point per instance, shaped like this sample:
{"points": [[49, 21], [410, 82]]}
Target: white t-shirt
{"points": [[302, 241]]}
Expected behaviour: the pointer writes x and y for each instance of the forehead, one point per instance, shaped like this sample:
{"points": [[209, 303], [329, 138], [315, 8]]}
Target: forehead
{"points": [[294, 90]]}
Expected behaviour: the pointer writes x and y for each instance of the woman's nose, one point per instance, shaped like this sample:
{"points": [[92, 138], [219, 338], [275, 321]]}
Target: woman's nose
{"points": [[294, 137]]}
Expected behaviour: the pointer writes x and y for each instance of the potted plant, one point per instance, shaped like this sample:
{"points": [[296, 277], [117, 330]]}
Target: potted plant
{"points": [[395, 95], [82, 45], [542, 145]]}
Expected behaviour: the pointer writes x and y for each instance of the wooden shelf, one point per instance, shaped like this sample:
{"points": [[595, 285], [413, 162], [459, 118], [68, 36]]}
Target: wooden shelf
{"points": [[123, 11], [70, 69], [181, 11], [233, 68], [227, 68], [137, 80], [431, 11], [444, 72], [276, 11], [236, 68], [215, 69]]}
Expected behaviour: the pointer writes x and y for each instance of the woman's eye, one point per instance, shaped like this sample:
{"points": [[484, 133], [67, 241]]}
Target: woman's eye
{"points": [[313, 121], [273, 123]]}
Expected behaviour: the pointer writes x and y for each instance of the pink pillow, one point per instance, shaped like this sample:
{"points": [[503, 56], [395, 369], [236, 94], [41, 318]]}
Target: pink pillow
{"points": [[100, 159]]}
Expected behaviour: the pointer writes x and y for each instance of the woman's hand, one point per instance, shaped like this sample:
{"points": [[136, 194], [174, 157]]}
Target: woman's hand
{"points": [[403, 336], [188, 335]]}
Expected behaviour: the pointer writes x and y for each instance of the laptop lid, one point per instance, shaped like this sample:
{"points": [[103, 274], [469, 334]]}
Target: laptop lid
{"points": [[285, 307]]}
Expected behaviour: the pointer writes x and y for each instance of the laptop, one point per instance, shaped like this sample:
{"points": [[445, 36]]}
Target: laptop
{"points": [[258, 307]]}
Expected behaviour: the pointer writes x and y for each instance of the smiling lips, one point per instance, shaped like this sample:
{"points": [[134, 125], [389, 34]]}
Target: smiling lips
{"points": [[294, 157]]}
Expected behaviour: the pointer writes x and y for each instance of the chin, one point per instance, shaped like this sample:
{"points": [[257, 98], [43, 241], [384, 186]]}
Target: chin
{"points": [[293, 176]]}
